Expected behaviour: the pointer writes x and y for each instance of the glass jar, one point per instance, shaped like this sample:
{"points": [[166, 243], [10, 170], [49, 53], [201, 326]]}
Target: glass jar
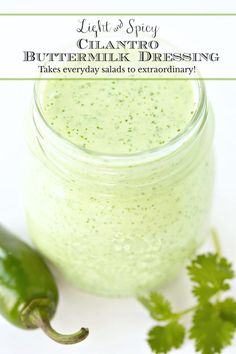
{"points": [[119, 225]]}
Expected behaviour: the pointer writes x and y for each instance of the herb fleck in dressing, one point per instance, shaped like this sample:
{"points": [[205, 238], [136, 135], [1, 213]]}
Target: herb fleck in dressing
{"points": [[118, 117]]}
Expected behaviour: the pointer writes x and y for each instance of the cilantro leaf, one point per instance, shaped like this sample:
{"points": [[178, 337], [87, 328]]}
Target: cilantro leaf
{"points": [[210, 331], [210, 272], [164, 338], [227, 310], [158, 306], [214, 320]]}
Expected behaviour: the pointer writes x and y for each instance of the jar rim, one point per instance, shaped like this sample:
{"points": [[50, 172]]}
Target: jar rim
{"points": [[192, 129]]}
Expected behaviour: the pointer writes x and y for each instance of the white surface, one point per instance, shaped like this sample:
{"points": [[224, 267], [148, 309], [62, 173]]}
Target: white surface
{"points": [[116, 326]]}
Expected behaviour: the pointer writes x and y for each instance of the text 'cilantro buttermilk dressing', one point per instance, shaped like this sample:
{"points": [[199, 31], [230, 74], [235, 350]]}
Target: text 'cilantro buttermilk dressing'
{"points": [[120, 179]]}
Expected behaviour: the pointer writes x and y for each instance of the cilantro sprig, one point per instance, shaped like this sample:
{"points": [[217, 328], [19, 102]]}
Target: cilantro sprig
{"points": [[213, 321]]}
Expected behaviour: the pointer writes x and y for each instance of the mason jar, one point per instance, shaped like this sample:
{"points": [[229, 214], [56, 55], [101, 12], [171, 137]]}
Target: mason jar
{"points": [[119, 225]]}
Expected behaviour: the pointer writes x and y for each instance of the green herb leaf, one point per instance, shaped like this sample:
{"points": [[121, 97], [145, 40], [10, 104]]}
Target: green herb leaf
{"points": [[214, 321], [210, 272], [210, 331], [158, 306], [164, 338], [227, 310]]}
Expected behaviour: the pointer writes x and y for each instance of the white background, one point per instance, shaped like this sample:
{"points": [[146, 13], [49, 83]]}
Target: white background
{"points": [[116, 326]]}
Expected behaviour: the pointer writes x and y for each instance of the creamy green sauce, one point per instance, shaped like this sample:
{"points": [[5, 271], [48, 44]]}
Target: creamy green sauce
{"points": [[119, 117], [119, 233]]}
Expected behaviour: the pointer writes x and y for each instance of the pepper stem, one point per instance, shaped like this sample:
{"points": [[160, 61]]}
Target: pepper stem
{"points": [[41, 321]]}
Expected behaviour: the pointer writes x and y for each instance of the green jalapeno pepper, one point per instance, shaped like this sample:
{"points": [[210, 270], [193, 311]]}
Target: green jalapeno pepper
{"points": [[28, 292]]}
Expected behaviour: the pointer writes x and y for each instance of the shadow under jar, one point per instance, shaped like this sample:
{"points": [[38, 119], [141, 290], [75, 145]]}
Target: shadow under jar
{"points": [[119, 180]]}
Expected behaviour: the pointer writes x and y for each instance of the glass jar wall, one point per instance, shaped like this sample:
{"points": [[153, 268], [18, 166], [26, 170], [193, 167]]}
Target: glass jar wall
{"points": [[119, 224]]}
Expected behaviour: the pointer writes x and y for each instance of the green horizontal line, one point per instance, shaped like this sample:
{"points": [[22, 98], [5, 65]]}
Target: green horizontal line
{"points": [[117, 14], [118, 78]]}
